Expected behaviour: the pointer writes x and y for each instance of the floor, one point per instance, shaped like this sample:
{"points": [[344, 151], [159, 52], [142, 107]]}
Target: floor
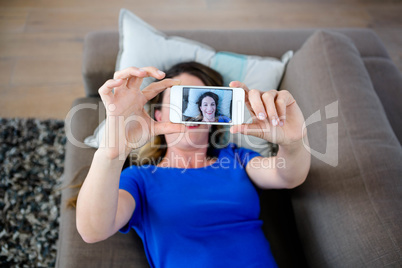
{"points": [[41, 41]]}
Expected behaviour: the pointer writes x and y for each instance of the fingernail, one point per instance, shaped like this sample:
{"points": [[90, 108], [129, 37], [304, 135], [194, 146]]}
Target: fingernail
{"points": [[118, 80], [160, 72], [274, 122], [261, 116], [281, 123]]}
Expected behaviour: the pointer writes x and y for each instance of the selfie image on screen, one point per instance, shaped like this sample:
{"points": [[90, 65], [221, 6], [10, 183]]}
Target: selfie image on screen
{"points": [[207, 105]]}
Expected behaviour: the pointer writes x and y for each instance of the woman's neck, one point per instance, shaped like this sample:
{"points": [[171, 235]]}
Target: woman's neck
{"points": [[178, 158]]}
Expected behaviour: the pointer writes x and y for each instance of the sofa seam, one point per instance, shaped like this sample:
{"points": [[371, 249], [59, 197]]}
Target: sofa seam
{"points": [[375, 57], [354, 151]]}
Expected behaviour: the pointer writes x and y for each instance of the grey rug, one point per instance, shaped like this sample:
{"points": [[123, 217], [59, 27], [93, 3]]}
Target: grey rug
{"points": [[31, 166]]}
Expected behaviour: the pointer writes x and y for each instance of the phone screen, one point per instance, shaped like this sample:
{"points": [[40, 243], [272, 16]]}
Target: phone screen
{"points": [[207, 105]]}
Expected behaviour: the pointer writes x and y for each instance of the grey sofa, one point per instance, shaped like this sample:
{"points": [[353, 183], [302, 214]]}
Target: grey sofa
{"points": [[348, 213]]}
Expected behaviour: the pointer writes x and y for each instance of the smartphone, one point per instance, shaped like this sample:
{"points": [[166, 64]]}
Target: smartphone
{"points": [[207, 105]]}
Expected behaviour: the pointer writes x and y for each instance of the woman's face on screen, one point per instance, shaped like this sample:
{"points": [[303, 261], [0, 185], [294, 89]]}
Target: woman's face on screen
{"points": [[208, 108]]}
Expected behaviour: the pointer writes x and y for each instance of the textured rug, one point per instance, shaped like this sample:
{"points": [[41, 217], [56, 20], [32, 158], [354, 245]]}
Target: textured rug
{"points": [[31, 166]]}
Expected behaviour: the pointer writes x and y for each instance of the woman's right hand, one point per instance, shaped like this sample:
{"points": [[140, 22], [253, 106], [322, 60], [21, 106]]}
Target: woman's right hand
{"points": [[128, 125]]}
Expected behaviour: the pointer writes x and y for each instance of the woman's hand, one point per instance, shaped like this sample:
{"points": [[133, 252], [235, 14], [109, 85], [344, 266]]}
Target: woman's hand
{"points": [[128, 125], [276, 116]]}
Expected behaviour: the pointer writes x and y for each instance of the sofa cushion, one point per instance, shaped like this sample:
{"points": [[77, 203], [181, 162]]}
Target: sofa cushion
{"points": [[350, 207]]}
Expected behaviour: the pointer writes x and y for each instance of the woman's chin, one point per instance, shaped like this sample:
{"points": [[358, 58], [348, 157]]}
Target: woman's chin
{"points": [[209, 119], [195, 136], [192, 144]]}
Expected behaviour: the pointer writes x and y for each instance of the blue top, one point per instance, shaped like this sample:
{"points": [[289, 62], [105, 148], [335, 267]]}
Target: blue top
{"points": [[199, 217], [223, 118]]}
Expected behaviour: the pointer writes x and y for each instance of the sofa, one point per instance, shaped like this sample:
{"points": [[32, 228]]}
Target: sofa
{"points": [[348, 213]]}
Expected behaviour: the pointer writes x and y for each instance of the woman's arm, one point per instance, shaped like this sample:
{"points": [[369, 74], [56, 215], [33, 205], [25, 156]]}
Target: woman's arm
{"points": [[278, 119], [288, 169], [102, 209]]}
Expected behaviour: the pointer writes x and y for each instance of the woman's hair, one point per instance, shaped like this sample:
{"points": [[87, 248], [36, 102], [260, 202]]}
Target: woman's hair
{"points": [[155, 150], [208, 76], [208, 94]]}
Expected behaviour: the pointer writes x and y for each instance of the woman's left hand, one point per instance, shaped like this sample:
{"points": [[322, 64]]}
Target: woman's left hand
{"points": [[276, 116]]}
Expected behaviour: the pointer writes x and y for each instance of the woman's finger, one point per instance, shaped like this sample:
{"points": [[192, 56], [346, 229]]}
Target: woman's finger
{"points": [[239, 84], [132, 75], [280, 103], [106, 90], [130, 72], [135, 76], [254, 97], [155, 88], [283, 100], [269, 99], [135, 82], [154, 72], [253, 129]]}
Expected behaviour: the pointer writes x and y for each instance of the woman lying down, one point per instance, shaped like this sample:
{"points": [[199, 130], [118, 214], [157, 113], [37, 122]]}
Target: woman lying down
{"points": [[193, 205]]}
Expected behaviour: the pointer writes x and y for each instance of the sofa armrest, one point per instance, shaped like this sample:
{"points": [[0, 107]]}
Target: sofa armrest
{"points": [[349, 210], [99, 59], [387, 81]]}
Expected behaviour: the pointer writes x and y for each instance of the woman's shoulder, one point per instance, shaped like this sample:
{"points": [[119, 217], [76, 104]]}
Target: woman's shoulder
{"points": [[232, 148], [136, 171], [224, 119], [241, 154], [131, 168]]}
